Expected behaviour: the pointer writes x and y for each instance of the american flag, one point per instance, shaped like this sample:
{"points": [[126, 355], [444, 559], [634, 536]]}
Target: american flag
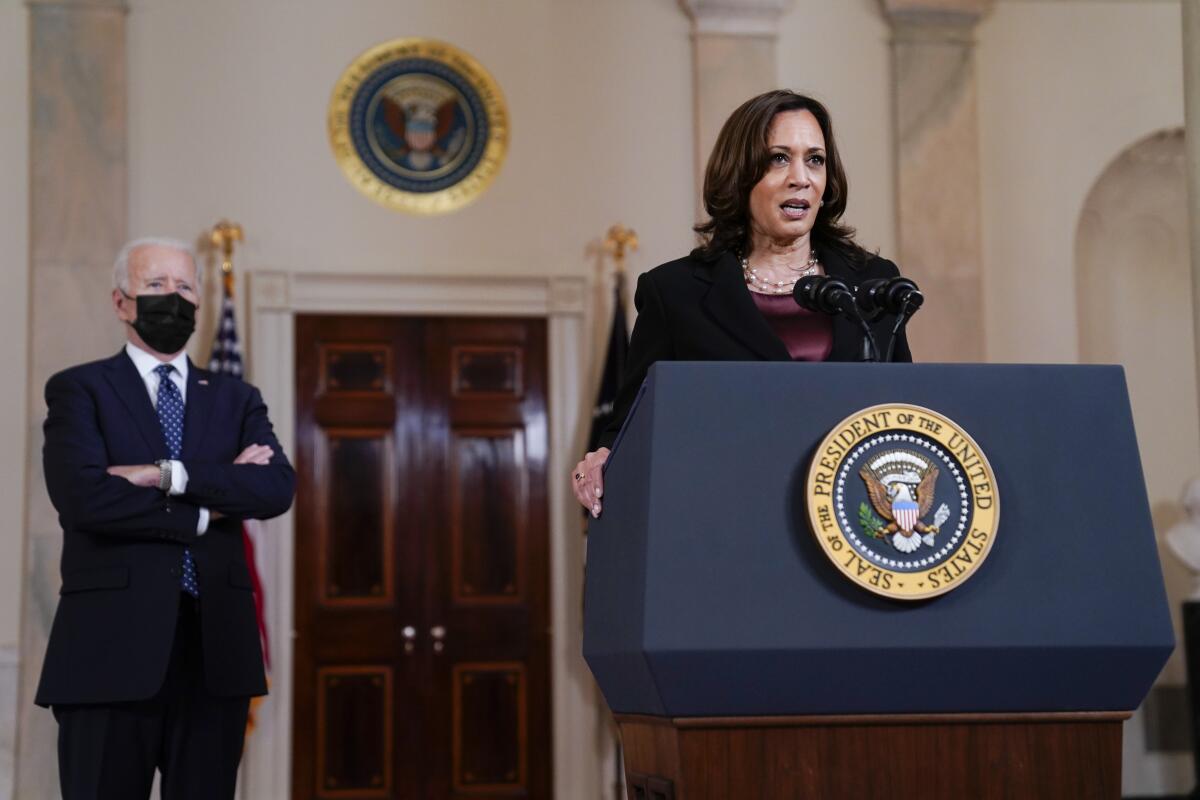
{"points": [[226, 359]]}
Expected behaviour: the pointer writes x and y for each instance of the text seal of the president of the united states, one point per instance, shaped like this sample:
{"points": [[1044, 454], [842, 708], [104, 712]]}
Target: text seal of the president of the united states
{"points": [[903, 501], [418, 125]]}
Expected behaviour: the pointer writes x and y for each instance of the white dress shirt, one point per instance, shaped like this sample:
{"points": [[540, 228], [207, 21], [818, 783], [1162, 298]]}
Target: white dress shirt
{"points": [[145, 363]]}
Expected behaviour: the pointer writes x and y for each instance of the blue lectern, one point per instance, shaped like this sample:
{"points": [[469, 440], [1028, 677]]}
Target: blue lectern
{"points": [[741, 664]]}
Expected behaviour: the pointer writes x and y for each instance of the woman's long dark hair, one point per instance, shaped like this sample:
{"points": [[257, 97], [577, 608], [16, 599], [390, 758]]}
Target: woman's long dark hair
{"points": [[739, 160]]}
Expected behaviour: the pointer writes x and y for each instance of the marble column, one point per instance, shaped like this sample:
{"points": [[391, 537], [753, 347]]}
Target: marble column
{"points": [[938, 185], [1191, 114], [77, 216], [733, 59]]}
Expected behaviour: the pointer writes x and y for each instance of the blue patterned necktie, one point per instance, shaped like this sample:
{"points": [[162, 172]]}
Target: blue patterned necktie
{"points": [[170, 417]]}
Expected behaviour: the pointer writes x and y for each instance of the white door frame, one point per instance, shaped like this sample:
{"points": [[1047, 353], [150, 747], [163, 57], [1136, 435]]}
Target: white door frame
{"points": [[580, 740]]}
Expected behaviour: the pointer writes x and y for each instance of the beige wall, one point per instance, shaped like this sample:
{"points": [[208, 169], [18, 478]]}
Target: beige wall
{"points": [[14, 341], [1063, 88], [227, 117]]}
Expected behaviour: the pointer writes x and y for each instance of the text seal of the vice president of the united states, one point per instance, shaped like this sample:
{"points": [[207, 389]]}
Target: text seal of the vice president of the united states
{"points": [[903, 501], [418, 125]]}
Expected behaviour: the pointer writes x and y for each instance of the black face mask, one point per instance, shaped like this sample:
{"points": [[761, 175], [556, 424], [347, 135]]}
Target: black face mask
{"points": [[164, 321]]}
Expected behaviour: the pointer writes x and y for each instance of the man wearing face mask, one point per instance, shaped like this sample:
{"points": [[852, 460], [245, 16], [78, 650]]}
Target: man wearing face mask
{"points": [[152, 464]]}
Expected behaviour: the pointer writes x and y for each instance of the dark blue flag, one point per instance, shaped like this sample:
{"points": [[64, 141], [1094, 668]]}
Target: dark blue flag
{"points": [[614, 365]]}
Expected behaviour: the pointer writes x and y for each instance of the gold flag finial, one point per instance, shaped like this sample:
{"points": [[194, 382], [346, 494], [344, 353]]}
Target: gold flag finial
{"points": [[617, 241], [223, 235]]}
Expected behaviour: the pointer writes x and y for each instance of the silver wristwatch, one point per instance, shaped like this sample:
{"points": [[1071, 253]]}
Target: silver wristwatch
{"points": [[164, 475]]}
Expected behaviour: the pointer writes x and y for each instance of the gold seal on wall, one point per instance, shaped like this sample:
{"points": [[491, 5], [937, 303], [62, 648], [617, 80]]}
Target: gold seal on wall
{"points": [[418, 125], [902, 501]]}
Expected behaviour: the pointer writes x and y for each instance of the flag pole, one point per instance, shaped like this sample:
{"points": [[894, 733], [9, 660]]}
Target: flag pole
{"points": [[226, 359], [223, 235], [617, 241]]}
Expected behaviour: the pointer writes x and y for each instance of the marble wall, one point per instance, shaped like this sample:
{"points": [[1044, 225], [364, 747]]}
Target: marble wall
{"points": [[77, 213], [14, 422], [937, 173], [14, 304], [8, 718], [1191, 88]]}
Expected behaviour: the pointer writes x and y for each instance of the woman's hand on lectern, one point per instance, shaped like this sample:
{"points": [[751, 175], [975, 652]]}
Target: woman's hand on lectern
{"points": [[587, 479]]}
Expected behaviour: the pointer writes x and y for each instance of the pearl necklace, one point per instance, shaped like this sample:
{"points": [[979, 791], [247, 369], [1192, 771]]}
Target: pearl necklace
{"points": [[764, 286]]}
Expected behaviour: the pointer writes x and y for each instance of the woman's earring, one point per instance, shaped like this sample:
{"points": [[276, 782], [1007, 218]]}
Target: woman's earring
{"points": [[821, 203]]}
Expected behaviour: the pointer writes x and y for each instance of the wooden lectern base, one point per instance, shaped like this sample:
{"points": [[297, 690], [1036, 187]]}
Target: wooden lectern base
{"points": [[925, 757]]}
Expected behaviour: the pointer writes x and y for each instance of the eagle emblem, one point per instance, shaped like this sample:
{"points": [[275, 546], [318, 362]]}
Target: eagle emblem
{"points": [[421, 130], [420, 123], [900, 485]]}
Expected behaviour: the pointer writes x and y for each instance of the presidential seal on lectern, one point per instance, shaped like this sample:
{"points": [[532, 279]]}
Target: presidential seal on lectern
{"points": [[902, 501]]}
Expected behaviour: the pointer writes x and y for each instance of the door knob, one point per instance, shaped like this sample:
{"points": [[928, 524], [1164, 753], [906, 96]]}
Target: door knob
{"points": [[410, 636]]}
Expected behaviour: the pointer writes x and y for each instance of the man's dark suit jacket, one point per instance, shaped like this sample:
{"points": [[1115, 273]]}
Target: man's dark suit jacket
{"points": [[122, 544], [696, 310]]}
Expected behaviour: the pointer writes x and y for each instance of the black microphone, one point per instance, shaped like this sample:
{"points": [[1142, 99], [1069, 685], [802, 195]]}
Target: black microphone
{"points": [[881, 296], [898, 296], [827, 295]]}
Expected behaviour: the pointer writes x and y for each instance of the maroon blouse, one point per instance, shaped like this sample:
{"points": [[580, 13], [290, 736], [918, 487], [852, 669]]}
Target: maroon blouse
{"points": [[807, 334]]}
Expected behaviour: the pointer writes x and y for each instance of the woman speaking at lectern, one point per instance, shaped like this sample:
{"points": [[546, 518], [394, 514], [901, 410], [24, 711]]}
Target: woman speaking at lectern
{"points": [[775, 191]]}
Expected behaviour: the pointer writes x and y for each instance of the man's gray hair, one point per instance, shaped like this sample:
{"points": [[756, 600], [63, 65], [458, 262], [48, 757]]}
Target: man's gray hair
{"points": [[121, 265]]}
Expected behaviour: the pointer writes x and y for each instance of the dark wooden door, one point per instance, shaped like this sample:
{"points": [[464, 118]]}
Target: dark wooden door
{"points": [[422, 575]]}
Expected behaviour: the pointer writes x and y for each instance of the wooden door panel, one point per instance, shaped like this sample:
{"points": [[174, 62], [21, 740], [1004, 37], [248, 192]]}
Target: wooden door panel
{"points": [[488, 502], [421, 451], [354, 688], [354, 706], [356, 529], [490, 739], [353, 368], [487, 371], [491, 594]]}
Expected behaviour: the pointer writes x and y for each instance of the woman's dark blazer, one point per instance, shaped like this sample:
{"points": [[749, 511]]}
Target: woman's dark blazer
{"points": [[696, 310]]}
